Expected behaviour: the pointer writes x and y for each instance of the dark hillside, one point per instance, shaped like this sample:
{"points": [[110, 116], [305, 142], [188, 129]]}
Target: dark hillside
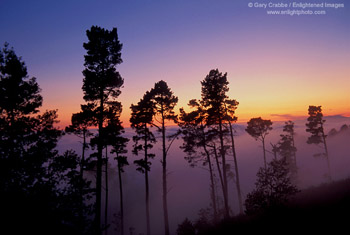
{"points": [[317, 209]]}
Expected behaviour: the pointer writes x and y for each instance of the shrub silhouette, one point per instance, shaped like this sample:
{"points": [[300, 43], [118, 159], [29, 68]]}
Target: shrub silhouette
{"points": [[273, 187]]}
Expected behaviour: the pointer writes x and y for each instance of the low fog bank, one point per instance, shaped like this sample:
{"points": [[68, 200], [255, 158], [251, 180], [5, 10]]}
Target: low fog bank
{"points": [[189, 187]]}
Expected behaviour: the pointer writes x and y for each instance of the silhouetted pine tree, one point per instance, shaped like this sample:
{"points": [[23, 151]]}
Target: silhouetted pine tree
{"points": [[315, 128], [111, 136], [80, 123], [141, 120], [214, 89], [259, 128], [102, 83], [286, 147], [196, 138], [114, 133], [164, 103]]}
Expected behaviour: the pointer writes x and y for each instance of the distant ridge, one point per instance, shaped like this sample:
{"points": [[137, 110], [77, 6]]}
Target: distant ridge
{"points": [[338, 116]]}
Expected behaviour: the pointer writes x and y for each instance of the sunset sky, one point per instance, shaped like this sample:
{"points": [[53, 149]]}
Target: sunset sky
{"points": [[277, 65]]}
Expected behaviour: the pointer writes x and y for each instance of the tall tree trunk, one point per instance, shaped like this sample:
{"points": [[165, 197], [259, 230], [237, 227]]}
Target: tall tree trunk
{"points": [[82, 162], [274, 154], [224, 170], [106, 196], [263, 142], [237, 173], [212, 185], [99, 169], [327, 156], [165, 203], [219, 170], [294, 156], [147, 185], [121, 199]]}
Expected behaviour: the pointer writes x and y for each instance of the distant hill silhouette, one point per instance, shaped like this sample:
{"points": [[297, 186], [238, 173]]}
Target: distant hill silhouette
{"points": [[336, 117]]}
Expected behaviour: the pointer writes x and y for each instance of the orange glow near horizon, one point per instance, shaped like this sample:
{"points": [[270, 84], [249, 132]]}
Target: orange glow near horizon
{"points": [[267, 93], [275, 90], [280, 105]]}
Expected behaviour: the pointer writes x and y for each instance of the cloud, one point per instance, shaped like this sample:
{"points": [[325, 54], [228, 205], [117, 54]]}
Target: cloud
{"points": [[288, 116]]}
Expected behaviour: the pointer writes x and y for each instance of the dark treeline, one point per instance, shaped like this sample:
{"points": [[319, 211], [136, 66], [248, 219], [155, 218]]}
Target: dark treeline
{"points": [[47, 192], [41, 190]]}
